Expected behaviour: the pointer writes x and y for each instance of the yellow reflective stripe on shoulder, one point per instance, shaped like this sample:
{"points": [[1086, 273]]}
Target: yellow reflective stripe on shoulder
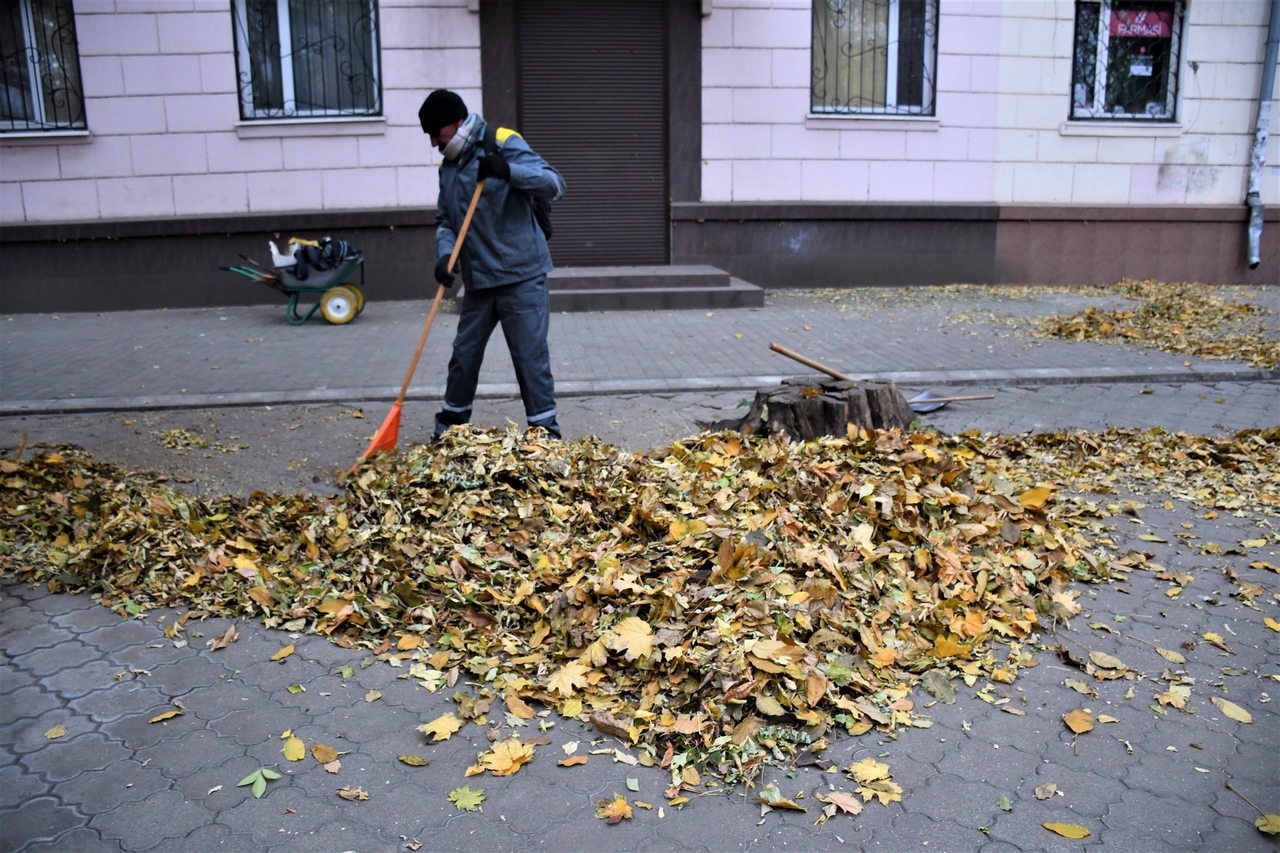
{"points": [[502, 133]]}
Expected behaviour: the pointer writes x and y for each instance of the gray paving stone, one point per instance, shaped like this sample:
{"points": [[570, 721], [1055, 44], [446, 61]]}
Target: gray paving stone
{"points": [[28, 734], [12, 680], [96, 792], [16, 620], [81, 680], [46, 661], [264, 819], [189, 753], [27, 638], [26, 702], [262, 721], [1241, 836], [39, 819], [65, 759], [144, 824], [220, 699], [216, 837], [178, 679], [88, 618], [16, 786], [81, 840], [123, 698], [136, 731], [1183, 826], [950, 799], [121, 634]]}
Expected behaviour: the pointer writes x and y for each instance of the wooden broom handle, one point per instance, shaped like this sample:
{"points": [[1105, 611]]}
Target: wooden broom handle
{"points": [[830, 371], [435, 306]]}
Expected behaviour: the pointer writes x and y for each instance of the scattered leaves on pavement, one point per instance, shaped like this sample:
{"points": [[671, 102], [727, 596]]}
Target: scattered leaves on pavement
{"points": [[1186, 318]]}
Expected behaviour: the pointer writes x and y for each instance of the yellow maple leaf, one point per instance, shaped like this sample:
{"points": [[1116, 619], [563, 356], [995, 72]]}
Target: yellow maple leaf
{"points": [[506, 757], [1035, 498], [570, 677], [633, 635], [613, 810], [442, 727], [947, 646], [869, 770]]}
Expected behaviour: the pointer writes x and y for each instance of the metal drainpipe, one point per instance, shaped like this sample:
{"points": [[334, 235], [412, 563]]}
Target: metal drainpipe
{"points": [[1254, 196]]}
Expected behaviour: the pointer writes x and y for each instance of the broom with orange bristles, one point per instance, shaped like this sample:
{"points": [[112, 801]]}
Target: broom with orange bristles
{"points": [[385, 437]]}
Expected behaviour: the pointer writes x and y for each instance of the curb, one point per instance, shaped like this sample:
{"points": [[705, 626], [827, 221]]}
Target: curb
{"points": [[1033, 377]]}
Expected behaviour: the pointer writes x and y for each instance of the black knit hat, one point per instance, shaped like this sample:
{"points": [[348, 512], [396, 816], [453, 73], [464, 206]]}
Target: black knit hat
{"points": [[440, 108]]}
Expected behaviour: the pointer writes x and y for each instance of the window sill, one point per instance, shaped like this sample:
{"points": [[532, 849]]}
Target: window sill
{"points": [[327, 126], [45, 137], [868, 121], [1120, 128]]}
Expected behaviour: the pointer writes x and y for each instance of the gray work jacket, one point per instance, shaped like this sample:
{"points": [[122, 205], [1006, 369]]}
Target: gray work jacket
{"points": [[504, 244]]}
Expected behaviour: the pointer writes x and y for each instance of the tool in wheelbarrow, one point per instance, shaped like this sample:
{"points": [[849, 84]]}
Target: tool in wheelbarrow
{"points": [[312, 267], [387, 434], [919, 404]]}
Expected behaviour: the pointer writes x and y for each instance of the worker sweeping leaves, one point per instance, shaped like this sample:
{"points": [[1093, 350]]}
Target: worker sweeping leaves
{"points": [[504, 260]]}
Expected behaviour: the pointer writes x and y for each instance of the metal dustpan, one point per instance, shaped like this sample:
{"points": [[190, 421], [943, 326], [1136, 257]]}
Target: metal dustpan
{"points": [[930, 402]]}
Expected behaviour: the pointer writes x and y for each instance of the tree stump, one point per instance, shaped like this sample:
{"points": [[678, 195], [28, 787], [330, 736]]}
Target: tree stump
{"points": [[809, 407]]}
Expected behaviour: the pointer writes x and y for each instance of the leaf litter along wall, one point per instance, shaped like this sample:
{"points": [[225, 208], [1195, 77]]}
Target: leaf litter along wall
{"points": [[735, 598]]}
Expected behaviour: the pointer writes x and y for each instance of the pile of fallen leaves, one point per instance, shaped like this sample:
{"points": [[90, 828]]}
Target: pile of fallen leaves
{"points": [[736, 597], [1188, 318]]}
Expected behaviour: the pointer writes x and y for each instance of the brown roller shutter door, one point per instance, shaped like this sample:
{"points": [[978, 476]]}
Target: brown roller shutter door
{"points": [[592, 98]]}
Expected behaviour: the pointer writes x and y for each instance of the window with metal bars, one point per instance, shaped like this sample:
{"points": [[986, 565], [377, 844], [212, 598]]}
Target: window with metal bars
{"points": [[1127, 54], [39, 67], [307, 58], [874, 56]]}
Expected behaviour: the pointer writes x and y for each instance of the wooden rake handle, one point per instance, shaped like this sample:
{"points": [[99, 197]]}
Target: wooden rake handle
{"points": [[435, 306], [808, 362]]}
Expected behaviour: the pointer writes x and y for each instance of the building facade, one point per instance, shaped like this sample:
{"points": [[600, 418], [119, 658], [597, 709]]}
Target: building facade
{"points": [[143, 143]]}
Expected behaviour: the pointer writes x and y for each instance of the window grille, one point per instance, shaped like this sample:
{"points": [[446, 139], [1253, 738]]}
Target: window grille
{"points": [[307, 58], [1127, 55], [39, 67], [874, 56]]}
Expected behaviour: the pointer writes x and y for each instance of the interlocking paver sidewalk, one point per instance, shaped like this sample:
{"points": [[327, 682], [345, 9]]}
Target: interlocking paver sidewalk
{"points": [[248, 355], [116, 782]]}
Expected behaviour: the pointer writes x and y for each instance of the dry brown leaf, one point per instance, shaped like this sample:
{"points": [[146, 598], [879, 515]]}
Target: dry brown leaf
{"points": [[283, 653], [1068, 830], [519, 707], [353, 794], [1079, 721], [323, 753], [845, 801], [1232, 710], [373, 696], [167, 715], [56, 732], [414, 760], [224, 639], [572, 761], [333, 766]]}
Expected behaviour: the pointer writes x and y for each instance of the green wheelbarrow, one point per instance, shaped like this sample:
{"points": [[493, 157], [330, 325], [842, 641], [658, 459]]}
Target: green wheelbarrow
{"points": [[341, 300]]}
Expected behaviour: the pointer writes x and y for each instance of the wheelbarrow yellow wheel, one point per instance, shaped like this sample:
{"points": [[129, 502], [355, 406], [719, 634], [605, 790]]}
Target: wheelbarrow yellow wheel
{"points": [[359, 298], [339, 305]]}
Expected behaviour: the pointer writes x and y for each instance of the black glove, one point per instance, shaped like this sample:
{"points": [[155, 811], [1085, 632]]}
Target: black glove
{"points": [[494, 166], [443, 276]]}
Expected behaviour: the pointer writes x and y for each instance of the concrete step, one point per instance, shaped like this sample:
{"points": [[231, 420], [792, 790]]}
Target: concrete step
{"points": [[645, 277], [649, 288]]}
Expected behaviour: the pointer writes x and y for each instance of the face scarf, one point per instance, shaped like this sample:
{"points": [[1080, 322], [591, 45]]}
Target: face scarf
{"points": [[464, 139]]}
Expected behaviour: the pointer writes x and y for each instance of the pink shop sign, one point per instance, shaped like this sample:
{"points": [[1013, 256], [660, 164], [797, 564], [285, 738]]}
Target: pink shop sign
{"points": [[1141, 23]]}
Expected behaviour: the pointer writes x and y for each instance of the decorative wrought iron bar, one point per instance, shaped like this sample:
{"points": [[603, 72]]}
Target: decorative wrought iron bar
{"points": [[307, 58], [1127, 56], [40, 86], [874, 56]]}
